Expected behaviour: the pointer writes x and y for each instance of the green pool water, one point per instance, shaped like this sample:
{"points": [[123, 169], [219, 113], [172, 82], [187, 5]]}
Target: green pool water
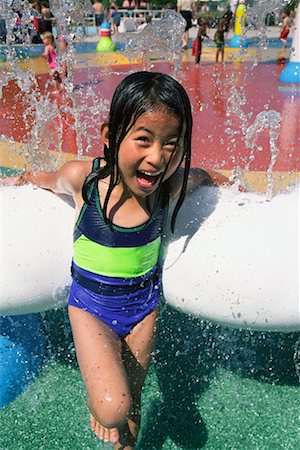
{"points": [[209, 387]]}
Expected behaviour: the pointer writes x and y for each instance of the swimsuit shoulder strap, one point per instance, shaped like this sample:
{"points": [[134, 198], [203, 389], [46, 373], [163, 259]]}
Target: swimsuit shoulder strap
{"points": [[95, 166], [96, 163]]}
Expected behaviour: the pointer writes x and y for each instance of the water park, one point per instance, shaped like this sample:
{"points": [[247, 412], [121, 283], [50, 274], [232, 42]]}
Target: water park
{"points": [[225, 369]]}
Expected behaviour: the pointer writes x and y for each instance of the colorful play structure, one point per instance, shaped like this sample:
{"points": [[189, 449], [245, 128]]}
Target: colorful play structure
{"points": [[239, 40], [105, 43]]}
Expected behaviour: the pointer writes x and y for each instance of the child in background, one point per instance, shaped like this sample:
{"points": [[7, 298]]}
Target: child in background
{"points": [[286, 23], [220, 39], [115, 18], [51, 56], [63, 47], [122, 201], [197, 44]]}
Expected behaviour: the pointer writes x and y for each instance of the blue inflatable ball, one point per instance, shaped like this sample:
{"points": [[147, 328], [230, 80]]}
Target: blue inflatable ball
{"points": [[291, 73], [22, 346], [238, 42]]}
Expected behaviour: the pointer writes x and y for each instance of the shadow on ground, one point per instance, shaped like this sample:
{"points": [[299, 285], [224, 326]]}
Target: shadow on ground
{"points": [[188, 354]]}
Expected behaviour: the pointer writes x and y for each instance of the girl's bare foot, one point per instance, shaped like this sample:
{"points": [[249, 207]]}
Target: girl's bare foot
{"points": [[105, 434]]}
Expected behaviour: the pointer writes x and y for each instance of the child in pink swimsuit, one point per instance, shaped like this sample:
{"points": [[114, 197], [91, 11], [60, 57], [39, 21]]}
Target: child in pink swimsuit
{"points": [[50, 55]]}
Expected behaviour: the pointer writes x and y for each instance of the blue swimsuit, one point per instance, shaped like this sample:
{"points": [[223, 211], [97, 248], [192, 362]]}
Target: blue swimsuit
{"points": [[116, 271]]}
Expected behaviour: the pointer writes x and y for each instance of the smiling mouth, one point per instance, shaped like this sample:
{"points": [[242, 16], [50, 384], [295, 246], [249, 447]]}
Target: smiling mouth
{"points": [[147, 179]]}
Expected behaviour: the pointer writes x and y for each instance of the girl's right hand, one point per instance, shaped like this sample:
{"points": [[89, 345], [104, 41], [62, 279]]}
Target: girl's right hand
{"points": [[18, 180]]}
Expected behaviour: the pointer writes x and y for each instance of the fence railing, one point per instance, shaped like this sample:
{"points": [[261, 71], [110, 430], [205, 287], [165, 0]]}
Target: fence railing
{"points": [[137, 14]]}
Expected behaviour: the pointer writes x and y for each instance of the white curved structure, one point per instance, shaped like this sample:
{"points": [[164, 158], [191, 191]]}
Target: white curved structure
{"points": [[234, 259], [36, 250], [241, 266]]}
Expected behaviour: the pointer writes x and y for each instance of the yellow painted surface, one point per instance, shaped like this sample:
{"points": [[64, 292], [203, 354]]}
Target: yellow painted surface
{"points": [[17, 156], [258, 180], [40, 66], [13, 157]]}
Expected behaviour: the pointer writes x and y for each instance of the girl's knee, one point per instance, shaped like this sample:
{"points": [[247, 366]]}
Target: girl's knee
{"points": [[111, 411]]}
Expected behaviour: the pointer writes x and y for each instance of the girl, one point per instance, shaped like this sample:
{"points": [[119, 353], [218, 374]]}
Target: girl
{"points": [[121, 206], [51, 56]]}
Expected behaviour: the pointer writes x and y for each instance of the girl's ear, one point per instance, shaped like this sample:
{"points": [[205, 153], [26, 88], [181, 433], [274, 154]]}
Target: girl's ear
{"points": [[104, 133]]}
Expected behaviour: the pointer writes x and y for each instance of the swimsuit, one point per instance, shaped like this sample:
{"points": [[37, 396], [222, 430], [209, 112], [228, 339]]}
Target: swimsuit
{"points": [[99, 19], [116, 271], [219, 39], [284, 33], [51, 58]]}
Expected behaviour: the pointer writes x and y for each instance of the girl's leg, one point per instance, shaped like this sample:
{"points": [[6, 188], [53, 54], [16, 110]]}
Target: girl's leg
{"points": [[99, 354], [137, 348]]}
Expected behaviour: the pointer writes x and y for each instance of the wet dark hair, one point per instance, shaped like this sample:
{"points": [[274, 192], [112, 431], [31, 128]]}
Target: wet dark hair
{"points": [[137, 94]]}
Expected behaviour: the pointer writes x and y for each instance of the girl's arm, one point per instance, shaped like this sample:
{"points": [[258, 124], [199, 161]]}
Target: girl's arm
{"points": [[197, 177], [200, 177], [68, 179], [46, 51]]}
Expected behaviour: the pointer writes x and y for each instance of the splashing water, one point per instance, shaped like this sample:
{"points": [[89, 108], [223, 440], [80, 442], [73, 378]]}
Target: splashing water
{"points": [[265, 120], [256, 15], [269, 120], [83, 107], [161, 38], [69, 13], [8, 11]]}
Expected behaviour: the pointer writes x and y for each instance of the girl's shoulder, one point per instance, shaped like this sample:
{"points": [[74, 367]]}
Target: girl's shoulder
{"points": [[75, 172]]}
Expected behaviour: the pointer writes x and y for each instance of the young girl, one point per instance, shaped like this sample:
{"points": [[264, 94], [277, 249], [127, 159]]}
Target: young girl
{"points": [[121, 205], [51, 56]]}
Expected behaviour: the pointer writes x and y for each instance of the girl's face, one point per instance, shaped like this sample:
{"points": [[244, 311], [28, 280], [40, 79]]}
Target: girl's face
{"points": [[151, 145]]}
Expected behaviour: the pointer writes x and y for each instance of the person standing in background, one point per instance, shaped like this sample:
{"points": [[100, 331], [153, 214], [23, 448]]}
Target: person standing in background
{"points": [[47, 18], [286, 23], [184, 7], [37, 23], [201, 34], [99, 14]]}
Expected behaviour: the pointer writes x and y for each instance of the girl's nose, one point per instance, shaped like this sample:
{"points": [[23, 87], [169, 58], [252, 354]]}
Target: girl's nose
{"points": [[156, 155]]}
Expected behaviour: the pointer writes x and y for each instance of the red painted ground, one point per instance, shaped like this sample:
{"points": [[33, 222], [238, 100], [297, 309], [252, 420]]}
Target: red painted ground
{"points": [[209, 87]]}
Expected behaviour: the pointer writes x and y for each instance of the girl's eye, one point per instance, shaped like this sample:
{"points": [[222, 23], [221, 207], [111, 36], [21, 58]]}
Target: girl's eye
{"points": [[170, 145], [142, 139]]}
